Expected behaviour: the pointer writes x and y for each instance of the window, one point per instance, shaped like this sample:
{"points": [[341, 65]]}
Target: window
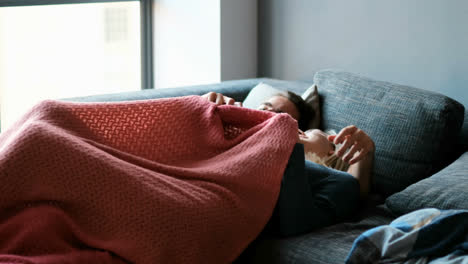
{"points": [[52, 49], [59, 51]]}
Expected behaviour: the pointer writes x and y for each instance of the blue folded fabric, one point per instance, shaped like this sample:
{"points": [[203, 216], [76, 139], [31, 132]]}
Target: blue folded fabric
{"points": [[424, 236]]}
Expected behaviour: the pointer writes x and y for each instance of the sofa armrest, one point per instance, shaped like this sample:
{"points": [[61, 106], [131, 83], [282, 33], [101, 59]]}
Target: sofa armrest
{"points": [[444, 190], [237, 89]]}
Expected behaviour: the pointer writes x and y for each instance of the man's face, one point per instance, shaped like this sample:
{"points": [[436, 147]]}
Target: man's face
{"points": [[280, 104]]}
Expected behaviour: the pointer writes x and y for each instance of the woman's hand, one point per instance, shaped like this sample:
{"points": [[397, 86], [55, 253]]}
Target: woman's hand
{"points": [[220, 99], [315, 140], [302, 136], [354, 139]]}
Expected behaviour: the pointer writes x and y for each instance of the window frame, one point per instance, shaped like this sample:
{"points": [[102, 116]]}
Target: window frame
{"points": [[146, 30]]}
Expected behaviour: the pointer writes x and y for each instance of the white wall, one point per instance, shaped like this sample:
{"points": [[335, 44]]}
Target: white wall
{"points": [[238, 39], [186, 42], [204, 41], [423, 43]]}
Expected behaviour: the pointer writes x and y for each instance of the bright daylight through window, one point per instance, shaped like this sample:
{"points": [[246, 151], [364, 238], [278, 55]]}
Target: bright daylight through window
{"points": [[59, 51]]}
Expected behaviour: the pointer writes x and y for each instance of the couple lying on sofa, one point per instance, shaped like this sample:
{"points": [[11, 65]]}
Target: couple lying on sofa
{"points": [[333, 194], [147, 180]]}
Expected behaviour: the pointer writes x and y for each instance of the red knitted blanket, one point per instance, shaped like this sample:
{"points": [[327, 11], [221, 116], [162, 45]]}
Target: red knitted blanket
{"points": [[177, 180]]}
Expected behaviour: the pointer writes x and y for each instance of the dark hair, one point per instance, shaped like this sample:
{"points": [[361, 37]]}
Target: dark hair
{"points": [[306, 112]]}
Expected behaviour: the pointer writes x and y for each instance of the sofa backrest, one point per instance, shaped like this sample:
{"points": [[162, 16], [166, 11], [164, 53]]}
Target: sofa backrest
{"points": [[414, 130], [237, 89]]}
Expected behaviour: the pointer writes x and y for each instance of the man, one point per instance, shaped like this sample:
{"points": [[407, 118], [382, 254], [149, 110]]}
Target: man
{"points": [[328, 195]]}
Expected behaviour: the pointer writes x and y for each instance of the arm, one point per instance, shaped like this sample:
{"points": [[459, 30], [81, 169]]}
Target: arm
{"points": [[360, 155], [362, 171]]}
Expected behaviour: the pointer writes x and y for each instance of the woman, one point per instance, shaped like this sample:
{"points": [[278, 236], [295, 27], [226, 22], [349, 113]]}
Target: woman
{"points": [[327, 196]]}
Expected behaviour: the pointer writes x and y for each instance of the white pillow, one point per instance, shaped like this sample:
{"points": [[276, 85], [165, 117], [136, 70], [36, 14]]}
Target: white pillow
{"points": [[259, 94], [262, 91]]}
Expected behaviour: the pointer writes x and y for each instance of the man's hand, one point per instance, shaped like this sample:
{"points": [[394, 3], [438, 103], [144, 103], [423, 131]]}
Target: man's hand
{"points": [[220, 99], [358, 142]]}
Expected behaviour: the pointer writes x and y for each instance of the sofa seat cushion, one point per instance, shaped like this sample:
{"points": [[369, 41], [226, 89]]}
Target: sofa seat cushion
{"points": [[324, 246], [414, 130], [447, 189]]}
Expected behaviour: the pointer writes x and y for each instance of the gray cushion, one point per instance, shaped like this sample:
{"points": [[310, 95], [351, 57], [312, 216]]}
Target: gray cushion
{"points": [[312, 97], [447, 189], [413, 129]]}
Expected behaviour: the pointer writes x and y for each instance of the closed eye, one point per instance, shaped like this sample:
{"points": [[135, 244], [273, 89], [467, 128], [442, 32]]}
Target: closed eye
{"points": [[266, 105]]}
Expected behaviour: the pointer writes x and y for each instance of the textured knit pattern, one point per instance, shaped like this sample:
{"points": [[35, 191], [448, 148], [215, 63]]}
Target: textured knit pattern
{"points": [[158, 181], [414, 130]]}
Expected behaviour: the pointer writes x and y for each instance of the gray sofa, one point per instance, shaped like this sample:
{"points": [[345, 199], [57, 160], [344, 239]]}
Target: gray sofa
{"points": [[421, 155]]}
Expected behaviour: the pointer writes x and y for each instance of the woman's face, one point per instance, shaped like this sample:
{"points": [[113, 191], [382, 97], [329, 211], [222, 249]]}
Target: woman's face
{"points": [[315, 140], [280, 104]]}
